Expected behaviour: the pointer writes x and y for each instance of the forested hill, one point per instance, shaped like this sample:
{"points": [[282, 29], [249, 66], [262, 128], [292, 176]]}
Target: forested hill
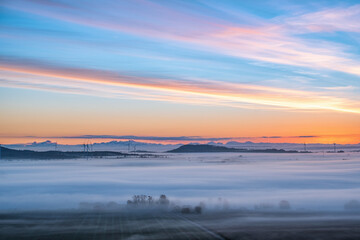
{"points": [[193, 148]]}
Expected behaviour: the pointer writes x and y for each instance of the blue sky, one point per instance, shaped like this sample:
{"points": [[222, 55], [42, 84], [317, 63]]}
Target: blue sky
{"points": [[250, 58]]}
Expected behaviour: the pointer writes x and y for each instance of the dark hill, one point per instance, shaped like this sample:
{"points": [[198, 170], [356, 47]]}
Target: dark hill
{"points": [[192, 148], [203, 148]]}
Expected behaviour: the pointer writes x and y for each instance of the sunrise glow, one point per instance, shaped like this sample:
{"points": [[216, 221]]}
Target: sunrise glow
{"points": [[223, 70]]}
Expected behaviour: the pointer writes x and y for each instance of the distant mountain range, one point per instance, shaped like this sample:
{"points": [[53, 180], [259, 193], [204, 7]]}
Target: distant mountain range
{"points": [[119, 146], [6, 153], [137, 146]]}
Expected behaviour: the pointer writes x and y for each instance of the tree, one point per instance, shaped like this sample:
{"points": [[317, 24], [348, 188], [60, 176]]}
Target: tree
{"points": [[163, 200]]}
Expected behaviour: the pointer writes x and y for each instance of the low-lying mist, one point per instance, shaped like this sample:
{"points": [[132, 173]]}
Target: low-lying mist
{"points": [[218, 180]]}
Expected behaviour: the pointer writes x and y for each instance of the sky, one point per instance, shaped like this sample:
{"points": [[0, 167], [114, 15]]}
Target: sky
{"points": [[254, 70]]}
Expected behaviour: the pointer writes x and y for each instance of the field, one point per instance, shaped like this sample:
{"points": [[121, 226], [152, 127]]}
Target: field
{"points": [[230, 225], [70, 225]]}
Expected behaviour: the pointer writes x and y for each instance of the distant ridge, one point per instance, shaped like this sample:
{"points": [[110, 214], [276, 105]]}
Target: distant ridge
{"points": [[203, 148], [192, 148], [7, 153], [136, 146]]}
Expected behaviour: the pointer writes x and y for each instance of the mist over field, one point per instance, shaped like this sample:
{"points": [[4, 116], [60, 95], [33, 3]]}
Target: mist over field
{"points": [[313, 181]]}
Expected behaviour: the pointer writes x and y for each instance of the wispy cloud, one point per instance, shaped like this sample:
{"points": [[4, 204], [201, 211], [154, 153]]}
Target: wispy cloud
{"points": [[338, 19], [37, 75], [178, 139], [132, 137], [275, 41]]}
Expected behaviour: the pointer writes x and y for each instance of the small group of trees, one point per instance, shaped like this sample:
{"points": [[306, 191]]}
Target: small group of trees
{"points": [[188, 209], [143, 200], [164, 203]]}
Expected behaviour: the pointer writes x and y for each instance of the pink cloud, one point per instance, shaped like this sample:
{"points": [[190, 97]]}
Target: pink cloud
{"points": [[327, 20], [33, 75], [268, 41]]}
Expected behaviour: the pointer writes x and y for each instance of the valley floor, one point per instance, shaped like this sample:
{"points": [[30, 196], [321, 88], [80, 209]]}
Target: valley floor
{"points": [[217, 225]]}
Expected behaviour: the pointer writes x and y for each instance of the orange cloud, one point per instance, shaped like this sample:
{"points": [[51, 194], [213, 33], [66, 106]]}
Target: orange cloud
{"points": [[209, 92]]}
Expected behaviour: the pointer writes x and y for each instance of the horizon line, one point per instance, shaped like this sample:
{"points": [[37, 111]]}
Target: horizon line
{"points": [[187, 139]]}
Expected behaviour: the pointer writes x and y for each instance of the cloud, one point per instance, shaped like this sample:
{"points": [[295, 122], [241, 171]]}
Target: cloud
{"points": [[274, 41], [153, 138], [338, 19], [271, 137], [37, 75]]}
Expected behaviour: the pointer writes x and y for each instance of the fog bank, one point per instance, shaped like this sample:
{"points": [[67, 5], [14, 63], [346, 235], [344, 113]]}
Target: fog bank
{"points": [[306, 181]]}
